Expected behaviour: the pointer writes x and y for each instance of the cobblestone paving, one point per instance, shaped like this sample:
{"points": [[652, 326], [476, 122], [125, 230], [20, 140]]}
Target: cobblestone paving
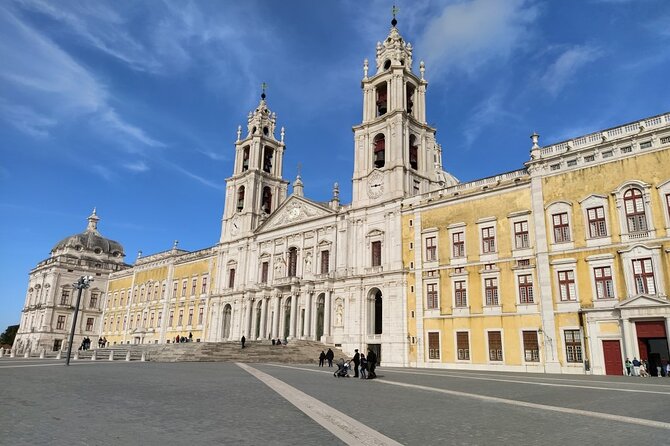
{"points": [[103, 403]]}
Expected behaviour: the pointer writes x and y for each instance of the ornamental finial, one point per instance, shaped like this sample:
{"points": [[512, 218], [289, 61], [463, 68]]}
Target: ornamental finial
{"points": [[264, 86], [394, 11]]}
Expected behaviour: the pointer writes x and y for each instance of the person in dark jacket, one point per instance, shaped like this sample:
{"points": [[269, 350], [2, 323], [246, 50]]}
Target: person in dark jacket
{"points": [[357, 362], [243, 340], [322, 358], [329, 356], [372, 364]]}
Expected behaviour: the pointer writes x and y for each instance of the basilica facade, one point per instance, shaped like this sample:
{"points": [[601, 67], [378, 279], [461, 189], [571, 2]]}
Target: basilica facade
{"points": [[559, 266]]}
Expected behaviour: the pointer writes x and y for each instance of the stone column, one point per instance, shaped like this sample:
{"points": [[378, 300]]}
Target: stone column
{"points": [[262, 332], [326, 313], [308, 315], [294, 307], [275, 322]]}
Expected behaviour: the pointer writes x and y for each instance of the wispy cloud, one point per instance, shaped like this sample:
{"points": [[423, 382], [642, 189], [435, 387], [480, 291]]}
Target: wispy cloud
{"points": [[469, 34], [26, 120], [194, 176], [485, 114], [564, 68], [137, 166]]}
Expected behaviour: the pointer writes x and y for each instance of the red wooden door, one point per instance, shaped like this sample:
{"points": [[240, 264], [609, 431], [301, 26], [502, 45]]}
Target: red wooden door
{"points": [[612, 353]]}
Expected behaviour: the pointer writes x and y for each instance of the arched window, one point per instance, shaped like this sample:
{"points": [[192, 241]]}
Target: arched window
{"points": [[635, 215], [410, 98], [240, 199], [267, 159], [245, 159], [382, 100], [292, 262], [266, 204], [413, 153], [379, 151]]}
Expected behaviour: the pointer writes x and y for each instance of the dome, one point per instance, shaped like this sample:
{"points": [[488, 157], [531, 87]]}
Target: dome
{"points": [[91, 240]]}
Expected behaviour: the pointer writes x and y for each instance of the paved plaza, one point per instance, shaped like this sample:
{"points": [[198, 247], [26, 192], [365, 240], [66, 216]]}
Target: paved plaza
{"points": [[114, 403]]}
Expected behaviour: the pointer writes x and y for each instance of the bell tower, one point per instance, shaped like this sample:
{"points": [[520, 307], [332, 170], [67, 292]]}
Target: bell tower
{"points": [[396, 154], [256, 187]]}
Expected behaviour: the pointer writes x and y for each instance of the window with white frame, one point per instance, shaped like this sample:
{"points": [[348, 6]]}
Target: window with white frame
{"points": [[597, 224], [566, 285], [521, 238], [431, 248], [460, 294], [432, 298], [602, 276], [458, 244], [573, 345], [491, 291], [561, 227], [488, 240], [463, 345], [636, 218], [525, 288], [495, 346], [643, 276], [531, 346], [433, 345]]}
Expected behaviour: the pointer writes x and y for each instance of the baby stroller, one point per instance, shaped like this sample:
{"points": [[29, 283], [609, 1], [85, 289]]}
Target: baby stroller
{"points": [[343, 368]]}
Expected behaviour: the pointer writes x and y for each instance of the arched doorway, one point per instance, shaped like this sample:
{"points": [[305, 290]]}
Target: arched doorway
{"points": [[375, 310], [227, 318], [319, 315]]}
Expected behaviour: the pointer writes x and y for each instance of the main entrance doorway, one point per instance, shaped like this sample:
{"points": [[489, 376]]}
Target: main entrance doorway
{"points": [[612, 355], [652, 341]]}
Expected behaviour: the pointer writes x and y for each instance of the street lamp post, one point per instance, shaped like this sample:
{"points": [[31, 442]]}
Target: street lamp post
{"points": [[82, 284]]}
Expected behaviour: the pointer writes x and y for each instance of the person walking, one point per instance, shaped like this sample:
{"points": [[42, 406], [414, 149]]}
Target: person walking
{"points": [[357, 362], [636, 367], [243, 340], [372, 364], [364, 367], [629, 365], [190, 336], [322, 358], [329, 356]]}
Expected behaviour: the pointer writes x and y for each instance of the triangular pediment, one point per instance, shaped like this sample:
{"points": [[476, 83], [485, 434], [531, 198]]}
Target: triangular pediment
{"points": [[643, 300], [293, 211]]}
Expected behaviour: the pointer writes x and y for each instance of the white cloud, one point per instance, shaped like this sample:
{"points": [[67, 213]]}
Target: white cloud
{"points": [[194, 176], [559, 74], [486, 113], [137, 166], [468, 34], [26, 120]]}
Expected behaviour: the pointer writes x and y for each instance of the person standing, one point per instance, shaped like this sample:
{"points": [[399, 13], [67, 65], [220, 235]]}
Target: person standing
{"points": [[357, 362], [364, 367], [243, 340], [329, 356], [322, 358], [636, 367], [372, 364], [629, 365]]}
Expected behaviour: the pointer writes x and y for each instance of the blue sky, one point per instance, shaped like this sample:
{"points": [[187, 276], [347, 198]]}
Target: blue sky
{"points": [[133, 106]]}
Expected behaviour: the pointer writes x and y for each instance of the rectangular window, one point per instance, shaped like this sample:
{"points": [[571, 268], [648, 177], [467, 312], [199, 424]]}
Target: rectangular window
{"points": [[203, 286], [573, 346], [604, 284], [183, 289], [463, 345], [526, 289], [231, 278], [376, 253], [181, 318], [163, 291], [65, 297], [561, 227], [488, 240], [118, 323], [458, 242], [531, 348], [190, 316], [201, 313], [667, 203], [495, 346], [121, 299], [144, 320], [491, 291], [566, 285], [171, 320], [160, 319], [94, 301], [265, 268], [521, 239], [174, 290], [194, 286], [325, 262], [597, 227], [643, 274], [60, 324], [433, 345], [432, 302], [431, 249], [461, 296], [151, 319]]}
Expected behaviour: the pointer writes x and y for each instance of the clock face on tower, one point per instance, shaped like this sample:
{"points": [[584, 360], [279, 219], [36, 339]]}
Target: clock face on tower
{"points": [[235, 225], [375, 184]]}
